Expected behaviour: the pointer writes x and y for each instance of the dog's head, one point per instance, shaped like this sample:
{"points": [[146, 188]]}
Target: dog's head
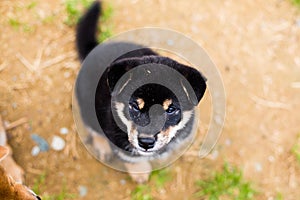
{"points": [[153, 115]]}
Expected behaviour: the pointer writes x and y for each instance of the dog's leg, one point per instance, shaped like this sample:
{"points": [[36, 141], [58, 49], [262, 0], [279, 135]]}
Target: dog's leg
{"points": [[139, 172], [100, 146]]}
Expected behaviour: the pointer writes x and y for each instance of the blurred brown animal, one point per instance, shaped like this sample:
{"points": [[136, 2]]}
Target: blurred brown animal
{"points": [[11, 174], [9, 188], [9, 164]]}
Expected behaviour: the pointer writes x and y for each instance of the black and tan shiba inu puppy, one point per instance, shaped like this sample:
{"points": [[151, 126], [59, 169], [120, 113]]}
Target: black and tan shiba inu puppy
{"points": [[156, 121]]}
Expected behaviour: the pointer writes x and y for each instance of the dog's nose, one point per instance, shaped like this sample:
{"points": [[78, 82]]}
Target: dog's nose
{"points": [[146, 142]]}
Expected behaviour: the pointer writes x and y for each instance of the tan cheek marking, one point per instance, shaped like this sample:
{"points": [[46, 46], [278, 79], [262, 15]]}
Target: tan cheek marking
{"points": [[166, 133], [165, 136], [131, 134], [167, 103], [141, 103]]}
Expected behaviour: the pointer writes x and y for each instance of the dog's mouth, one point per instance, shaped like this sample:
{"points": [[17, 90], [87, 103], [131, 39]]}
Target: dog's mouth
{"points": [[146, 152]]}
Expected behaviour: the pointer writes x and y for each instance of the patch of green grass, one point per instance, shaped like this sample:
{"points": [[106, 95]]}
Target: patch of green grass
{"points": [[105, 27], [279, 196], [49, 19], [31, 5], [62, 195], [157, 181], [107, 12], [15, 23], [296, 148], [105, 34], [74, 9], [227, 184], [296, 2], [27, 28], [18, 25], [141, 192], [296, 151], [160, 177], [38, 188]]}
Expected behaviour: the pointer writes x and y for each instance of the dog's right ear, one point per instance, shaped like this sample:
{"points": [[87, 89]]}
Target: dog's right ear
{"points": [[117, 70], [127, 62]]}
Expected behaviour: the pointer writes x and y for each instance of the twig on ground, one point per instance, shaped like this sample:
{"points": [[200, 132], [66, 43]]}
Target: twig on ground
{"points": [[57, 60], [16, 123], [20, 86], [271, 104], [293, 85], [37, 63], [34, 171], [3, 66], [38, 59], [25, 62]]}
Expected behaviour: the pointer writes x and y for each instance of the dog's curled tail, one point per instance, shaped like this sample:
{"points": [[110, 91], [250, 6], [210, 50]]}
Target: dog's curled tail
{"points": [[86, 39]]}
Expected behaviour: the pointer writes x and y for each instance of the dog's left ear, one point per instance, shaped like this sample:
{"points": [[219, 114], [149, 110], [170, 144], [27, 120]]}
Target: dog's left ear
{"points": [[196, 80]]}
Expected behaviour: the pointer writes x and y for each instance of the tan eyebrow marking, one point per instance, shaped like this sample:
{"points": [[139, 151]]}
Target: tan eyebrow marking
{"points": [[141, 103], [167, 103]]}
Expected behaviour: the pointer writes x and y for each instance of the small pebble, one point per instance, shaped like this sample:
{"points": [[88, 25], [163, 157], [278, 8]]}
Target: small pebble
{"points": [[258, 167], [271, 159], [162, 191], [228, 142], [64, 131], [41, 142], [122, 182], [4, 113], [14, 105], [6, 123], [298, 22], [82, 191], [218, 120], [22, 76], [214, 154], [35, 150], [67, 74], [170, 42], [58, 143]]}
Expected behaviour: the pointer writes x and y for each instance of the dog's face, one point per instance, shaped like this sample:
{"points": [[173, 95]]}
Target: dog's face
{"points": [[153, 116], [150, 129]]}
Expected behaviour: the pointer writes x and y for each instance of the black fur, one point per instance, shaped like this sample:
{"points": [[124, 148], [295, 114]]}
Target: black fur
{"points": [[86, 41]]}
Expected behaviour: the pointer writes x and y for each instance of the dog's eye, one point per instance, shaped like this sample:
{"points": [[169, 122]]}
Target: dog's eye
{"points": [[171, 110], [134, 106]]}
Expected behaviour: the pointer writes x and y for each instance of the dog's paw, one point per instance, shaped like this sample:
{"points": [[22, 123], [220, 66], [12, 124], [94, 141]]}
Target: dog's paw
{"points": [[100, 146], [140, 177], [139, 172]]}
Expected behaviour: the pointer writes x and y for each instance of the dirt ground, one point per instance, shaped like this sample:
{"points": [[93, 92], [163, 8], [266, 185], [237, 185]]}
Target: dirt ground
{"points": [[255, 45]]}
